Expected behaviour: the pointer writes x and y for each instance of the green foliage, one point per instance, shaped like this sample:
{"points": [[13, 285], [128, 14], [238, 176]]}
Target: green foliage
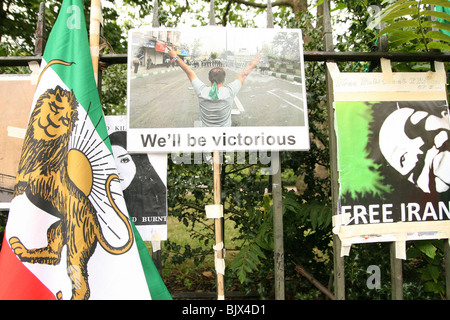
{"points": [[356, 274], [18, 20], [114, 90], [170, 12], [427, 257], [412, 25], [423, 274], [247, 260], [357, 37]]}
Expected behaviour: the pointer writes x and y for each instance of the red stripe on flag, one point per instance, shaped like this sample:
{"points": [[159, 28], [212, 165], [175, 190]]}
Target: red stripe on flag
{"points": [[16, 281]]}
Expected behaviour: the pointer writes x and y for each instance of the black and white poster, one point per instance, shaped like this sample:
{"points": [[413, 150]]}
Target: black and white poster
{"points": [[393, 161], [143, 180]]}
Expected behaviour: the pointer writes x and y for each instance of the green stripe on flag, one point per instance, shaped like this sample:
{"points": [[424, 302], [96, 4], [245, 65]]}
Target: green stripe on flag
{"points": [[158, 289]]}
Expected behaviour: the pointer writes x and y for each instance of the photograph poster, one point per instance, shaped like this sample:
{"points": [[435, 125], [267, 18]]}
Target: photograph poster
{"points": [[143, 178], [216, 88]]}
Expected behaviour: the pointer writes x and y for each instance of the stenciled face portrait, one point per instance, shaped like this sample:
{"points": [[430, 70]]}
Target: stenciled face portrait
{"points": [[416, 144]]}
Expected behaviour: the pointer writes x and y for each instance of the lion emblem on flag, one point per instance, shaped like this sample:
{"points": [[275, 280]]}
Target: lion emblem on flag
{"points": [[44, 175]]}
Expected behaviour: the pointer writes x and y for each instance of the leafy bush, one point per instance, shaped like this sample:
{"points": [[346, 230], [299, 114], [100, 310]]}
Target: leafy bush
{"points": [[415, 25]]}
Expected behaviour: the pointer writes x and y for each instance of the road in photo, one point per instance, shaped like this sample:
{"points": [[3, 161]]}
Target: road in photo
{"points": [[164, 98]]}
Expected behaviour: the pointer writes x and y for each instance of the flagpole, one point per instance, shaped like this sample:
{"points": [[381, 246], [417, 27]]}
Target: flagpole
{"points": [[94, 35]]}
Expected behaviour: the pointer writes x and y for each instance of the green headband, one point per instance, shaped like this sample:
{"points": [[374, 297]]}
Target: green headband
{"points": [[214, 93]]}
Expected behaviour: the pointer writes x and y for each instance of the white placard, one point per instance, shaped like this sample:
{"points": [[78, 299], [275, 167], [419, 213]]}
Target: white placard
{"points": [[164, 110]]}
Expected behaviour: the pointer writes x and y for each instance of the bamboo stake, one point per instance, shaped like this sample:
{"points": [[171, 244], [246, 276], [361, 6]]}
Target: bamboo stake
{"points": [[94, 35], [218, 223]]}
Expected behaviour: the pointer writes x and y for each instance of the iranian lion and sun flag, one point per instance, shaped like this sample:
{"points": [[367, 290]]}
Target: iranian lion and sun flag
{"points": [[68, 234]]}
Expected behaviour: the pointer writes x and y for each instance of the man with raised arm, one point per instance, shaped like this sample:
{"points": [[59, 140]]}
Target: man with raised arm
{"points": [[216, 100]]}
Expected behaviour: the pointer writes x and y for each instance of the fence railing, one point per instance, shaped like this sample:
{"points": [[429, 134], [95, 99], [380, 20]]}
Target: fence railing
{"points": [[308, 56]]}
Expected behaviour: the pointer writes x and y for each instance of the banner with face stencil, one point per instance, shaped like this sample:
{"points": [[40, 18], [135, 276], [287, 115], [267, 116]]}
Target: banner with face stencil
{"points": [[393, 161], [393, 154]]}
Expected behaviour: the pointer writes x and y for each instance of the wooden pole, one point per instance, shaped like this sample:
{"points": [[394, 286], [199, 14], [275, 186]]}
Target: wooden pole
{"points": [[218, 227], [218, 221], [278, 238], [396, 274], [94, 35], [212, 16], [339, 272], [155, 21], [269, 14], [39, 44], [277, 195], [447, 266]]}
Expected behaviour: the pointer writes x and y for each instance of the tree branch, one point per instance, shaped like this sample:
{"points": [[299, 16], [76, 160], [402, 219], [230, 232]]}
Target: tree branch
{"points": [[313, 280], [300, 269], [277, 3], [225, 15]]}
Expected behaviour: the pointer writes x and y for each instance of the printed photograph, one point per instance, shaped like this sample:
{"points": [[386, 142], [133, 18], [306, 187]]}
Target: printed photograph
{"points": [[215, 77]]}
